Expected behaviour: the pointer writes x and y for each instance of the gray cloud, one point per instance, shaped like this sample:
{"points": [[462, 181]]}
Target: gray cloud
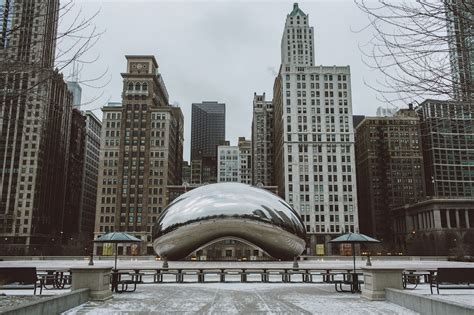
{"points": [[223, 50]]}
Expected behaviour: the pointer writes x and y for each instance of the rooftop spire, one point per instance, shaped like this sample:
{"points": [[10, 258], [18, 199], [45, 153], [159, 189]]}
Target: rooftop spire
{"points": [[296, 10]]}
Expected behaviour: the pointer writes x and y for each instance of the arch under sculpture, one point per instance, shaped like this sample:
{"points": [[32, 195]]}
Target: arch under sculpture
{"points": [[229, 210]]}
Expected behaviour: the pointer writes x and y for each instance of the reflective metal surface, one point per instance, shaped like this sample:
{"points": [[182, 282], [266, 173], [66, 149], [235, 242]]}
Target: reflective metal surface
{"points": [[229, 210]]}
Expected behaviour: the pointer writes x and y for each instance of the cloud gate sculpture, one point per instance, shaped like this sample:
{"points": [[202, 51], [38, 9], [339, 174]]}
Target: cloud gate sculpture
{"points": [[228, 210]]}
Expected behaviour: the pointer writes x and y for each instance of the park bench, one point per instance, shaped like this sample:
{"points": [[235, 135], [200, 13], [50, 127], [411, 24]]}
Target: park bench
{"points": [[452, 276], [121, 280], [344, 278], [20, 278]]}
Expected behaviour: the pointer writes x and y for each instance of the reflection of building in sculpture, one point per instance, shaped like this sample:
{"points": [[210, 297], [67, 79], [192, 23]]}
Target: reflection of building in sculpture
{"points": [[230, 249], [224, 211]]}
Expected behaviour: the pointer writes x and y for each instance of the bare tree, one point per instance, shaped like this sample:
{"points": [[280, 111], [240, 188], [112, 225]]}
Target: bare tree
{"points": [[71, 33], [423, 48]]}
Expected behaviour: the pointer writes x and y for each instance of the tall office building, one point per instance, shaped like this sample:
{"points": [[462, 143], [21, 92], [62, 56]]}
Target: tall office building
{"points": [[207, 129], [35, 107], [447, 130], [460, 16], [85, 219], [141, 154], [262, 141], [389, 170], [297, 43], [76, 91], [443, 224], [6, 16], [207, 132], [314, 138]]}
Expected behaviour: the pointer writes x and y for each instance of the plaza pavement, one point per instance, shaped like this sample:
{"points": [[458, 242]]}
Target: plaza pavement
{"points": [[238, 298]]}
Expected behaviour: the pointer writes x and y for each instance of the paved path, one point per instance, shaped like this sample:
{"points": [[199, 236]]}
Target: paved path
{"points": [[236, 298]]}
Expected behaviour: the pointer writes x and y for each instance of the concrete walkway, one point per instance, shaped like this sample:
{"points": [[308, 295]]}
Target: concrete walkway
{"points": [[237, 298]]}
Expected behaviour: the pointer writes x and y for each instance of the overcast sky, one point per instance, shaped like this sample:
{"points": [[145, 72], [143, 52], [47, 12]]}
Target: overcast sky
{"points": [[220, 51]]}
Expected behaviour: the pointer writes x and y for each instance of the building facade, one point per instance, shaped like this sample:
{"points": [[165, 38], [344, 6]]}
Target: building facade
{"points": [[245, 156], [207, 129], [235, 162], [314, 138], [36, 110], [436, 226], [389, 162], [207, 132], [90, 175], [460, 15], [141, 154], [229, 164], [72, 237], [447, 131], [262, 141], [443, 223], [186, 173]]}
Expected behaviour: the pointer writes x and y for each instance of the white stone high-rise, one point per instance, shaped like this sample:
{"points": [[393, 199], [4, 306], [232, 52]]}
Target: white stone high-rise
{"points": [[297, 44], [314, 138]]}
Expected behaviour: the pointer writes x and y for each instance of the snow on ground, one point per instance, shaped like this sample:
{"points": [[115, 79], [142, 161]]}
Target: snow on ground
{"points": [[12, 298], [461, 296], [238, 298]]}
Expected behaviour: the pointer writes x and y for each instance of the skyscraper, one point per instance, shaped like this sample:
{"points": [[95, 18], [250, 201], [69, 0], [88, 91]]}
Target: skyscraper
{"points": [[207, 132], [6, 15], [35, 107], [447, 131], [389, 170], [461, 46], [314, 138], [262, 141], [207, 129], [141, 154], [297, 43]]}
